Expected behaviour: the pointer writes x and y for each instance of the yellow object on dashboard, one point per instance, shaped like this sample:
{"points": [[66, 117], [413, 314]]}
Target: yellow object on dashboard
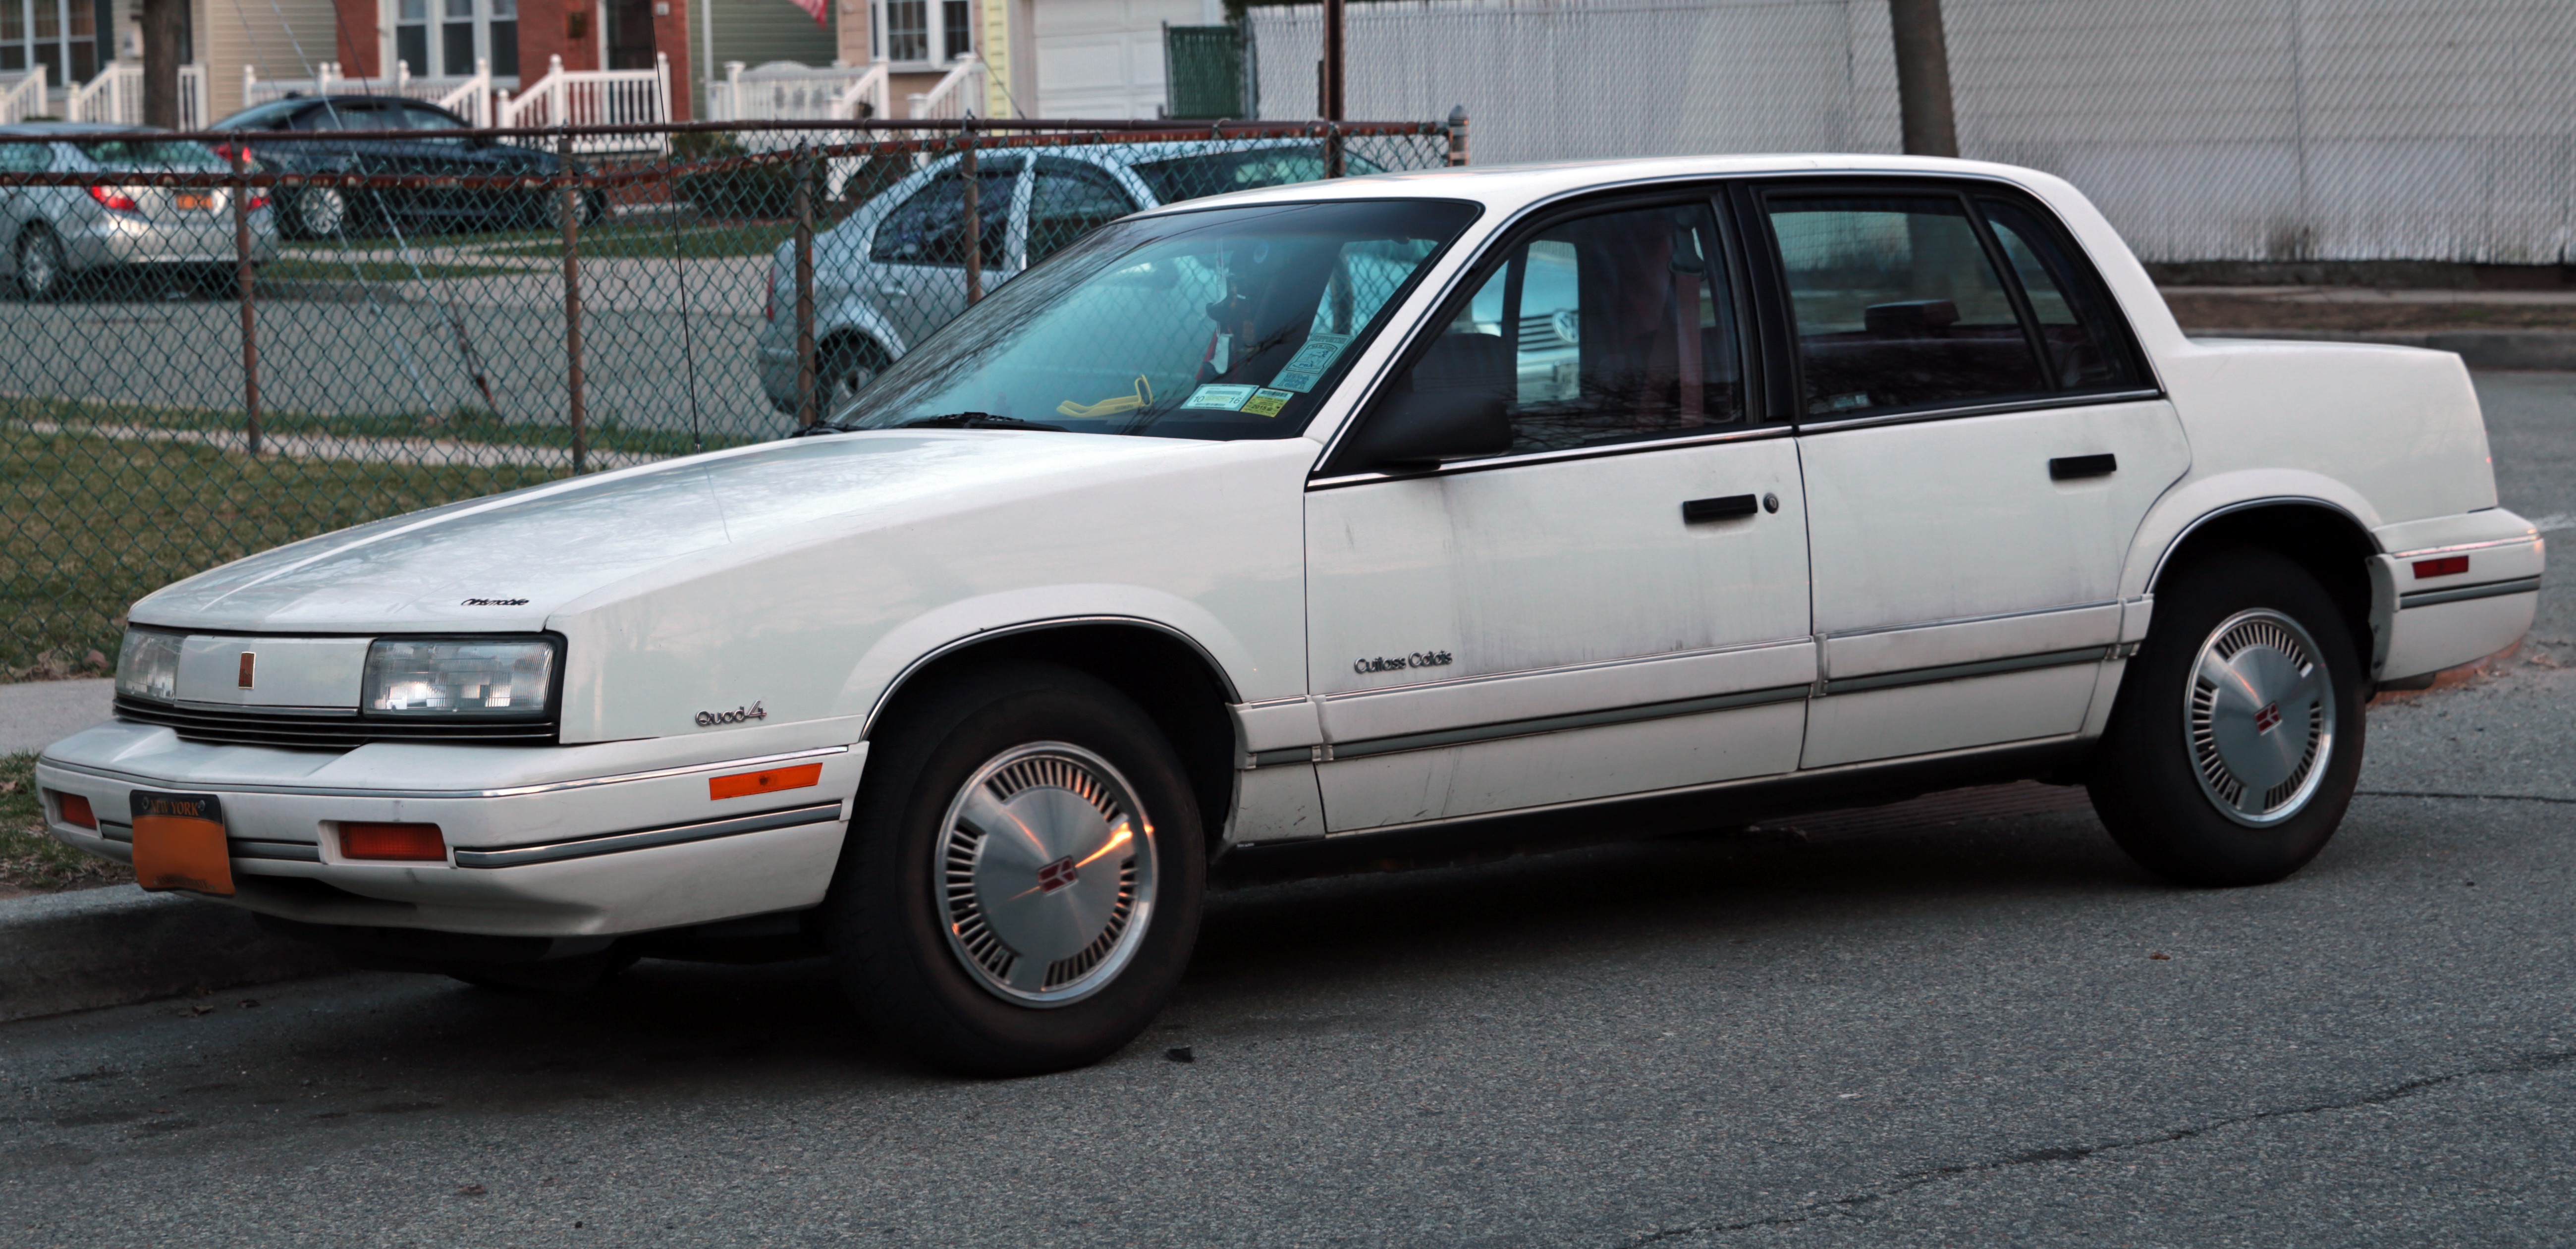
{"points": [[1113, 405]]}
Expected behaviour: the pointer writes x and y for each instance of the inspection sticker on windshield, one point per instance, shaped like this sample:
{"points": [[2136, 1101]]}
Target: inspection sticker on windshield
{"points": [[1307, 367], [1267, 402], [1223, 398]]}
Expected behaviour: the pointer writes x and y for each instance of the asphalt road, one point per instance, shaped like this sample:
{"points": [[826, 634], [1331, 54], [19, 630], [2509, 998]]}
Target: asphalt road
{"points": [[1995, 1032]]}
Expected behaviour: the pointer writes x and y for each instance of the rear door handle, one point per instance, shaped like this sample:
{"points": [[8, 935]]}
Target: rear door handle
{"points": [[2070, 467], [1725, 507]]}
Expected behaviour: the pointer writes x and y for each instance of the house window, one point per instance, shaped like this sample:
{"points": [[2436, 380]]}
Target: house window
{"points": [[61, 35], [443, 38], [910, 32]]}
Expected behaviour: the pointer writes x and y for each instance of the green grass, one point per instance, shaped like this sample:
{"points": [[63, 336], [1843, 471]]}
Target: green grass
{"points": [[299, 269], [29, 857], [92, 524]]}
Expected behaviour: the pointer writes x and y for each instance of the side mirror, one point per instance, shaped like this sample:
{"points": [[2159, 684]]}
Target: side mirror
{"points": [[1424, 428]]}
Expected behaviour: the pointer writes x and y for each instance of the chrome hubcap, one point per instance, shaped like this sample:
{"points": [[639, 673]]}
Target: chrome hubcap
{"points": [[36, 264], [323, 211], [2261, 715], [1046, 874]]}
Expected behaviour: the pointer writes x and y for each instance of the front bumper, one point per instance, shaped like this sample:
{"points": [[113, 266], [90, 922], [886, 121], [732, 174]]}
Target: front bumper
{"points": [[554, 841]]}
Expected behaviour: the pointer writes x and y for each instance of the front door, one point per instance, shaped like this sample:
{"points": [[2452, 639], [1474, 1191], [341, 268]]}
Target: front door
{"points": [[1980, 443], [1619, 604]]}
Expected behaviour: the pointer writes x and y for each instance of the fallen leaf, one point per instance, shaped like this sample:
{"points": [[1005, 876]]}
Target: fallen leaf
{"points": [[469, 1190], [1180, 1054], [2161, 958]]}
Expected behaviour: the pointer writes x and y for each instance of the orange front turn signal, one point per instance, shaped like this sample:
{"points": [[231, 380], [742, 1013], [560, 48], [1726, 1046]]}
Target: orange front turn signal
{"points": [[408, 843], [745, 784], [75, 810]]}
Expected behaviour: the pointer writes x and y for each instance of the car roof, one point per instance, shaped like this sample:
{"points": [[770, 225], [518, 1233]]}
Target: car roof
{"points": [[70, 127], [1511, 187]]}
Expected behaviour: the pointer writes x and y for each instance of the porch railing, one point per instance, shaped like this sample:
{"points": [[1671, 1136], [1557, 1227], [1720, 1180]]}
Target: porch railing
{"points": [[115, 97], [470, 96], [786, 91], [953, 97], [603, 97], [22, 96]]}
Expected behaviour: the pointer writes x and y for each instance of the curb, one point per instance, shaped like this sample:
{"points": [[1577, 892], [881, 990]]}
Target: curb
{"points": [[2479, 349], [119, 945]]}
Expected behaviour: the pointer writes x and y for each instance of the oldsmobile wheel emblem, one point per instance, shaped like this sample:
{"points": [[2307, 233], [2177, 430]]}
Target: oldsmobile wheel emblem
{"points": [[1058, 874]]}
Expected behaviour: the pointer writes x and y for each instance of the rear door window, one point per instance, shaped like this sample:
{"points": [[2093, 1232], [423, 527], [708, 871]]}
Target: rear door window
{"points": [[1071, 199], [929, 228], [1898, 305]]}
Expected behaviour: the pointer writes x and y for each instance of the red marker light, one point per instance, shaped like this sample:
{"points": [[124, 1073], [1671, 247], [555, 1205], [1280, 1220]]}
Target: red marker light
{"points": [[2449, 565], [410, 843], [75, 810]]}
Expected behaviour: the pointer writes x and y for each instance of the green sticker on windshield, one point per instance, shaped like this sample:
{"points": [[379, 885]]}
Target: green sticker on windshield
{"points": [[1267, 402], [1222, 398], [1307, 367]]}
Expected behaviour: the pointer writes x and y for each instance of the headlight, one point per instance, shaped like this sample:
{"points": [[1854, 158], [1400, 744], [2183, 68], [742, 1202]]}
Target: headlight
{"points": [[438, 678], [147, 666]]}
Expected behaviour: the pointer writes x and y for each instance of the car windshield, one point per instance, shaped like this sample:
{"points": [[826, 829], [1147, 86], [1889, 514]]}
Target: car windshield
{"points": [[151, 154], [1230, 323], [1190, 177]]}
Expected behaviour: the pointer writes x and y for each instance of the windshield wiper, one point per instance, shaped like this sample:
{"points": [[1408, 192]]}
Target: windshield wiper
{"points": [[977, 420]]}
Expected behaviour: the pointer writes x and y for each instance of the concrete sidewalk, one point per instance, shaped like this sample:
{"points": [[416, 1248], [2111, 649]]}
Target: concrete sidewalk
{"points": [[36, 714]]}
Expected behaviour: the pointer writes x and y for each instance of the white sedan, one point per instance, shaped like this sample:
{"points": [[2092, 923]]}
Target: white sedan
{"points": [[1453, 508]]}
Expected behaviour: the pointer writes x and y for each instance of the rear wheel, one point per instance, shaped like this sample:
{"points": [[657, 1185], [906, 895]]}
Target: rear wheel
{"points": [[842, 369], [1022, 882], [319, 212], [2236, 743], [42, 270]]}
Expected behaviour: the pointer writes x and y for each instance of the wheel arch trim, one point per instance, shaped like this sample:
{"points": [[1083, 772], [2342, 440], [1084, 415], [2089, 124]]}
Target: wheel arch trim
{"points": [[894, 686]]}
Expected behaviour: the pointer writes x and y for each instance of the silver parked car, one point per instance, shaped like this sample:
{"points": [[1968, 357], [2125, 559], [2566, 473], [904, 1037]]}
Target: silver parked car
{"points": [[55, 232], [895, 270]]}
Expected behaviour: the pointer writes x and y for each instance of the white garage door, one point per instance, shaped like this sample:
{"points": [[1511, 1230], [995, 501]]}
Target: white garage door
{"points": [[1104, 58]]}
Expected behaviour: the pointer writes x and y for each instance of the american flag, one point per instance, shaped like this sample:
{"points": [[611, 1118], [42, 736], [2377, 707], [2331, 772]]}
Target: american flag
{"points": [[815, 9]]}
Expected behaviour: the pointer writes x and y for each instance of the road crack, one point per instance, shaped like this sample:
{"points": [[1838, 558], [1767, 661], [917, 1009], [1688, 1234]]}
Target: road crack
{"points": [[1908, 1181]]}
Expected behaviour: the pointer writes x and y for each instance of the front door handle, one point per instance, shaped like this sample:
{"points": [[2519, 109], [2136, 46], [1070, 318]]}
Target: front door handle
{"points": [[2071, 467], [1725, 507]]}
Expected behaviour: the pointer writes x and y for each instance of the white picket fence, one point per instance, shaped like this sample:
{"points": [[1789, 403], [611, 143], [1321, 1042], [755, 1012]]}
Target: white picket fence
{"points": [[113, 98], [474, 97], [787, 91], [22, 96]]}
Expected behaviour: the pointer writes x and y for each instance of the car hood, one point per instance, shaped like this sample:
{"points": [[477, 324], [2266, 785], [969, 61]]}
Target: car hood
{"points": [[508, 562]]}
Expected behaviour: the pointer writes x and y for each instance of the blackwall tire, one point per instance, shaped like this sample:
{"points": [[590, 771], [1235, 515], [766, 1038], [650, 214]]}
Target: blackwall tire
{"points": [[1022, 882], [842, 370], [320, 212], [2236, 742]]}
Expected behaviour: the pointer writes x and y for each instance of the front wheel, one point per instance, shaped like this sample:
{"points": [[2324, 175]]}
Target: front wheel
{"points": [[2236, 742], [41, 267], [1021, 886]]}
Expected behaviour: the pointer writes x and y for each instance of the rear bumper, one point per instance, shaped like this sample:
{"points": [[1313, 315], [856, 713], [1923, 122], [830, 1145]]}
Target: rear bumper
{"points": [[2468, 595], [207, 238], [605, 847]]}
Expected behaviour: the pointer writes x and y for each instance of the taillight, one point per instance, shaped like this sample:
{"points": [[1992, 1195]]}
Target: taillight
{"points": [[415, 843], [232, 154], [75, 810], [258, 202], [115, 199]]}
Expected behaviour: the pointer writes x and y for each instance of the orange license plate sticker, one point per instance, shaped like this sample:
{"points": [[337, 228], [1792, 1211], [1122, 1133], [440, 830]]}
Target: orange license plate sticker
{"points": [[179, 843]]}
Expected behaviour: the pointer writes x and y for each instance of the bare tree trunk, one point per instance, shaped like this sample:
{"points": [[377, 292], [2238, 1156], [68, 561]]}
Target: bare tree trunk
{"points": [[1923, 78], [1331, 103], [163, 27]]}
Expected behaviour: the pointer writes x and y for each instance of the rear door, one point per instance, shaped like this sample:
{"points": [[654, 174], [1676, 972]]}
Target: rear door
{"points": [[1981, 441], [1619, 604]]}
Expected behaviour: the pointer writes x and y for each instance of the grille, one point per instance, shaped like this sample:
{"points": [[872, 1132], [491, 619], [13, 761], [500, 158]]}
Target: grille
{"points": [[311, 730]]}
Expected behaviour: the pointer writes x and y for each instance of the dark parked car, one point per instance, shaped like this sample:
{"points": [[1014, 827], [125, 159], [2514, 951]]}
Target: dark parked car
{"points": [[435, 145]]}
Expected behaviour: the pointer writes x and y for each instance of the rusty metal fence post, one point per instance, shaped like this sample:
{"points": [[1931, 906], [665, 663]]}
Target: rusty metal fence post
{"points": [[570, 211], [974, 214], [1458, 135], [804, 201], [242, 267]]}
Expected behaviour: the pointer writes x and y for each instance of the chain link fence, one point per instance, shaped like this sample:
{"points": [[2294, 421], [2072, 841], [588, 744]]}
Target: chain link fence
{"points": [[2268, 130], [218, 343]]}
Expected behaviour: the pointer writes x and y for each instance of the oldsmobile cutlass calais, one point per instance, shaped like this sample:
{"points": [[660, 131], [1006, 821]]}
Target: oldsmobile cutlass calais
{"points": [[1456, 505]]}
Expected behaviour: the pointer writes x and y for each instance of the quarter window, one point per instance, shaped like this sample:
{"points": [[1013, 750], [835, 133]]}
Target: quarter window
{"points": [[1898, 306], [1603, 329], [2076, 323]]}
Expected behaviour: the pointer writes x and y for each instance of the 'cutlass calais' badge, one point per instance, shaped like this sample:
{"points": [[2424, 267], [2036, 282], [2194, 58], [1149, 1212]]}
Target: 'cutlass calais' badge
{"points": [[1418, 659], [739, 715]]}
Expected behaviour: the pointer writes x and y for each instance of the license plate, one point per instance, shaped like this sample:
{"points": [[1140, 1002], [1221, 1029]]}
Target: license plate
{"points": [[200, 200], [179, 843]]}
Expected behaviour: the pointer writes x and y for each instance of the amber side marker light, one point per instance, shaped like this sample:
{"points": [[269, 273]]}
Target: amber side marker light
{"points": [[2444, 567], [75, 809], [408, 843], [745, 784]]}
